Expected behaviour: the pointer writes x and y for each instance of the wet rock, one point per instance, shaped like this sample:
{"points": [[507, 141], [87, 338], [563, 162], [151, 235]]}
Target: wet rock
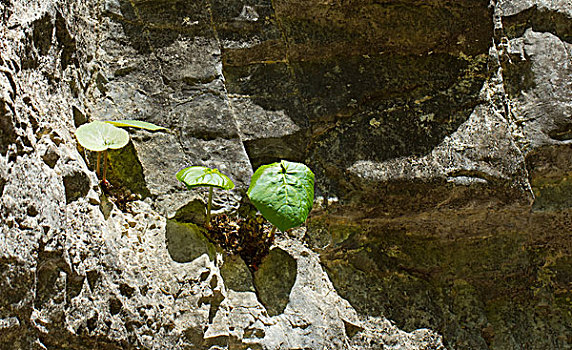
{"points": [[236, 274], [274, 280], [125, 170], [550, 170], [186, 242], [192, 212]]}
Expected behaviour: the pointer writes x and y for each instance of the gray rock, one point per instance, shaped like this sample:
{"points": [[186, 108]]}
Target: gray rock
{"points": [[236, 275], [186, 242], [274, 280], [440, 137], [76, 184]]}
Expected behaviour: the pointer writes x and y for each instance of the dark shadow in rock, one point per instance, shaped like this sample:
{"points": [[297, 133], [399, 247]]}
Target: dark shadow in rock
{"points": [[549, 170], [351, 329], [115, 306], [76, 184], [373, 81], [105, 205], [269, 150], [78, 117], [274, 280], [186, 242], [396, 106], [74, 283], [193, 212], [156, 23], [465, 276], [16, 281], [270, 86], [125, 178], [42, 34], [196, 337], [236, 274], [238, 20], [51, 156], [540, 20], [66, 43], [61, 338], [17, 336], [125, 170], [517, 74], [562, 132], [7, 131], [374, 107], [93, 278], [126, 290], [214, 300], [49, 287]]}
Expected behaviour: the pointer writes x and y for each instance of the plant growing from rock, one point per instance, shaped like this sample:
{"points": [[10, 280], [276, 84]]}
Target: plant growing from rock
{"points": [[199, 176], [99, 136], [283, 192]]}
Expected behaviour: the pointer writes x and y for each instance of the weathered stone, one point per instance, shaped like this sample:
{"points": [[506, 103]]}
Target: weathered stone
{"points": [[125, 170], [186, 242], [274, 280], [192, 212], [439, 134], [236, 274]]}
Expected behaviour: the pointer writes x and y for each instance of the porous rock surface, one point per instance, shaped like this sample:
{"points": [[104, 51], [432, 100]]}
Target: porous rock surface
{"points": [[439, 132]]}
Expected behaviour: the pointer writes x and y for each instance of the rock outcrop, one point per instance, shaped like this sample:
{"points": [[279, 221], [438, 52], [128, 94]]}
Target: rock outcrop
{"points": [[439, 132]]}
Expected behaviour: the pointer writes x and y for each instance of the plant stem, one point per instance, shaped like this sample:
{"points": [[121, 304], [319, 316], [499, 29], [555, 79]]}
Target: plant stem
{"points": [[272, 233], [209, 205], [104, 165], [98, 161]]}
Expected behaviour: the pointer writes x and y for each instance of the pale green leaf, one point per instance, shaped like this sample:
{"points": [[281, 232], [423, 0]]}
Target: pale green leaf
{"points": [[99, 136], [136, 124], [199, 176]]}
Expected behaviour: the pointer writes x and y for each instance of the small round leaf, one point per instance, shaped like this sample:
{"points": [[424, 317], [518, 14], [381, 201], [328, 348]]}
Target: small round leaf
{"points": [[283, 192], [99, 136], [200, 176]]}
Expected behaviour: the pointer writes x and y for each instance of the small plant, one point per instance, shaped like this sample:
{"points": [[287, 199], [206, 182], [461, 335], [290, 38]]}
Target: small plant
{"points": [[283, 192], [199, 176], [99, 136]]}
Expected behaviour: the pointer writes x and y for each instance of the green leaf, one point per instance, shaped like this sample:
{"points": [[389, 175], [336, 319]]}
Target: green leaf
{"points": [[283, 192], [99, 136], [136, 124], [200, 176]]}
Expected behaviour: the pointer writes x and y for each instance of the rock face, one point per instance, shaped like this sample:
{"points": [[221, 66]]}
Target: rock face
{"points": [[439, 132]]}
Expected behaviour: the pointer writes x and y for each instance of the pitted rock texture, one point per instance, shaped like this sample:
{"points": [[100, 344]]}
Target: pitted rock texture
{"points": [[439, 132]]}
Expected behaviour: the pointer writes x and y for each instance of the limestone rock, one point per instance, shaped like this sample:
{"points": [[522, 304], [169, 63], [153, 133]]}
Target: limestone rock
{"points": [[439, 134]]}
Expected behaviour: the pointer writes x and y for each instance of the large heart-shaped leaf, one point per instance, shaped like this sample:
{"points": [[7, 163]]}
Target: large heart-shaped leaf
{"points": [[136, 124], [199, 176], [99, 136], [283, 192]]}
